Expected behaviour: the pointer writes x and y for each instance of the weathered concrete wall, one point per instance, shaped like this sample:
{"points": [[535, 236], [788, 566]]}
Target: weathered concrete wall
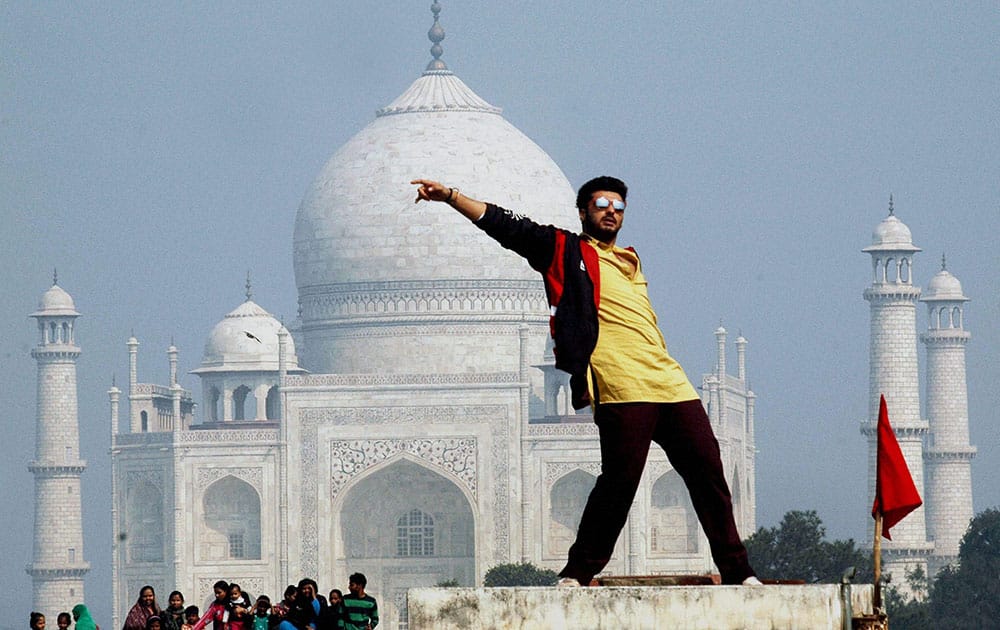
{"points": [[690, 607]]}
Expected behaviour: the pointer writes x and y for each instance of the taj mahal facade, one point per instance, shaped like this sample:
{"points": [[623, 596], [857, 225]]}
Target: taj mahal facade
{"points": [[410, 423]]}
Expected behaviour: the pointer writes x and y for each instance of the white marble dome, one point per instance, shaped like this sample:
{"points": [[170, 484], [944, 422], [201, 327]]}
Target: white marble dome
{"points": [[359, 223], [892, 235], [944, 287], [230, 348], [55, 301], [368, 258]]}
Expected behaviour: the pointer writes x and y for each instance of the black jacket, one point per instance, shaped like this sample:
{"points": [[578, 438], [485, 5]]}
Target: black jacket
{"points": [[569, 267]]}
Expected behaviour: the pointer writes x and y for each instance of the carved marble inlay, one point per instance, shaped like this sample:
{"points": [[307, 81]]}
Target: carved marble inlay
{"points": [[470, 297], [554, 471], [351, 457], [570, 428], [367, 380], [242, 436], [254, 585], [134, 478], [656, 468], [494, 416], [204, 477]]}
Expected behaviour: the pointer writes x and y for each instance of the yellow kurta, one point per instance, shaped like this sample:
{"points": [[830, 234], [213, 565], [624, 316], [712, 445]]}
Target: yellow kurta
{"points": [[631, 362]]}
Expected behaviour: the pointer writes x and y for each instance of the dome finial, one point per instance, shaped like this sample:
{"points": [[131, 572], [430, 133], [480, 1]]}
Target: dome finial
{"points": [[944, 263], [55, 276], [436, 35], [249, 292], [890, 205]]}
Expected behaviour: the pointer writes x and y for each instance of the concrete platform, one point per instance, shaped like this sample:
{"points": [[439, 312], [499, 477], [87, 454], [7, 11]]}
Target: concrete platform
{"points": [[795, 607]]}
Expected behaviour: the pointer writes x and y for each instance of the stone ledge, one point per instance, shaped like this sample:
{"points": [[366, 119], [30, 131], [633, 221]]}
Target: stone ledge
{"points": [[814, 606]]}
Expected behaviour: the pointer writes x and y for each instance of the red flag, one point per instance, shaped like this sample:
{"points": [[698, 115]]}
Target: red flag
{"points": [[895, 494]]}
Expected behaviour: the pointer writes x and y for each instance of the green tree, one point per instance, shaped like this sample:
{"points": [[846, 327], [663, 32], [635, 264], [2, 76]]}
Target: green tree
{"points": [[523, 574], [909, 612], [797, 550], [968, 596]]}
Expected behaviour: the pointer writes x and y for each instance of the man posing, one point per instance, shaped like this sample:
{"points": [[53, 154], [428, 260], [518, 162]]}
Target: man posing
{"points": [[360, 609], [606, 337]]}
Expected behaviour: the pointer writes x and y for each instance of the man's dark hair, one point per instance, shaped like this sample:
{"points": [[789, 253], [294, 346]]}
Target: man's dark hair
{"points": [[310, 581], [358, 578], [192, 610], [604, 182]]}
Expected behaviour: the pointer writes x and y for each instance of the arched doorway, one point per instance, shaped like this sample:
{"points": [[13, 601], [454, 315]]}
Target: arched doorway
{"points": [[406, 525], [144, 523], [231, 512], [566, 501], [673, 524]]}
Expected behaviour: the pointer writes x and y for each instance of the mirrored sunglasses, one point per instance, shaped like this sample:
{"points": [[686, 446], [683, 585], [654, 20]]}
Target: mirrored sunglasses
{"points": [[604, 202]]}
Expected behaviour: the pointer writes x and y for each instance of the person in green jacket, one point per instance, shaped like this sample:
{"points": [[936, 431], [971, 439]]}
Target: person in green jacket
{"points": [[83, 619]]}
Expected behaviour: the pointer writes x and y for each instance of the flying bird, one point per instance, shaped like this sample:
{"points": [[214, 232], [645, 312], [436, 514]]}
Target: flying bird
{"points": [[251, 335]]}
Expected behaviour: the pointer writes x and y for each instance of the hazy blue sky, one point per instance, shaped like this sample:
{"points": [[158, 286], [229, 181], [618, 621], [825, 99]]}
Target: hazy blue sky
{"points": [[153, 152]]}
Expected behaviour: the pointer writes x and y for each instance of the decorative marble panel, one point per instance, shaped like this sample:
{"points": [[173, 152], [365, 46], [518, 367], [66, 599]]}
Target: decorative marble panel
{"points": [[349, 458], [495, 416], [571, 428], [335, 302], [252, 585], [205, 476], [133, 478], [242, 436], [554, 471], [365, 380]]}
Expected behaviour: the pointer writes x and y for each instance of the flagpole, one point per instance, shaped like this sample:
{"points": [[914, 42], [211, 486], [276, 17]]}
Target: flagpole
{"points": [[877, 550]]}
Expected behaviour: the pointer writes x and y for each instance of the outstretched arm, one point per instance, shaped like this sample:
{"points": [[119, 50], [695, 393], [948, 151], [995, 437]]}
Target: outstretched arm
{"points": [[433, 191]]}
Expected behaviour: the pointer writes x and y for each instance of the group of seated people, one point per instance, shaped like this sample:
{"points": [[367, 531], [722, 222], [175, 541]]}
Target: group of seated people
{"points": [[81, 615], [301, 608]]}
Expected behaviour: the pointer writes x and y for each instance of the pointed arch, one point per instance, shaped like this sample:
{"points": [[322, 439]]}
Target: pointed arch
{"points": [[673, 525], [408, 524], [231, 516], [243, 398], [272, 404], [214, 405], [144, 523], [567, 498]]}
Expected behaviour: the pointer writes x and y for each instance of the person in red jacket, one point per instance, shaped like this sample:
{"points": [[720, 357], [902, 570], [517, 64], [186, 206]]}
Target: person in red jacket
{"points": [[218, 610], [606, 336]]}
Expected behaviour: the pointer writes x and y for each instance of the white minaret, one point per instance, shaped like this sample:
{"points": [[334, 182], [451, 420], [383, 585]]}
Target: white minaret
{"points": [[948, 454], [57, 566], [893, 373]]}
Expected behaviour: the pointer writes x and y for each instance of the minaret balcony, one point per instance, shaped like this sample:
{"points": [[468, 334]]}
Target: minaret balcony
{"points": [[946, 336], [55, 353], [57, 470], [889, 293], [42, 572], [954, 453]]}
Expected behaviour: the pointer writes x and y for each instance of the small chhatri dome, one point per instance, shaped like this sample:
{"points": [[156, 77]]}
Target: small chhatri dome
{"points": [[55, 302], [891, 235], [245, 340], [944, 287]]}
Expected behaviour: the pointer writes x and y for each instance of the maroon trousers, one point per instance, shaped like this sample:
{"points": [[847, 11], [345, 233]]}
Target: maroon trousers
{"points": [[685, 434]]}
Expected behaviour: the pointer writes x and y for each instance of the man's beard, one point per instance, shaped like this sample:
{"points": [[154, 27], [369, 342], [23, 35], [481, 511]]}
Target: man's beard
{"points": [[598, 231]]}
